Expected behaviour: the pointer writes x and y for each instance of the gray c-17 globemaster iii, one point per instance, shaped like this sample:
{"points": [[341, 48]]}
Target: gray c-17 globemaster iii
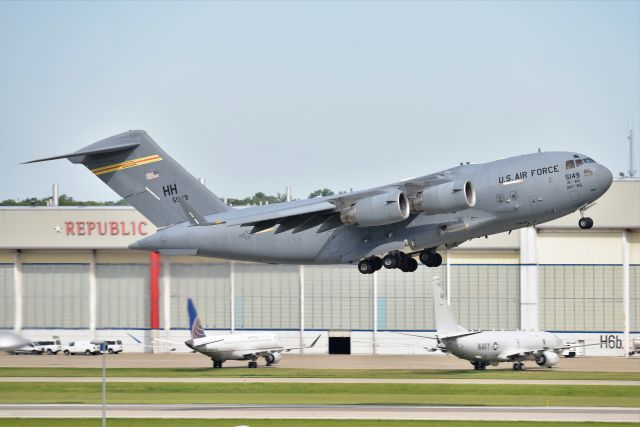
{"points": [[382, 226]]}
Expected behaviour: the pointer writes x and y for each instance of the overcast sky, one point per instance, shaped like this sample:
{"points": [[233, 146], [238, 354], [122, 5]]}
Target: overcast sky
{"points": [[256, 96]]}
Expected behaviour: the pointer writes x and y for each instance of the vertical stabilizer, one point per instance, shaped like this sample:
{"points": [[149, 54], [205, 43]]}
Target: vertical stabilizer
{"points": [[446, 323], [197, 331], [150, 180]]}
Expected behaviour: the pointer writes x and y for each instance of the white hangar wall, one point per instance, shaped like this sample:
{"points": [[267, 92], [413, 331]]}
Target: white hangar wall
{"points": [[66, 271]]}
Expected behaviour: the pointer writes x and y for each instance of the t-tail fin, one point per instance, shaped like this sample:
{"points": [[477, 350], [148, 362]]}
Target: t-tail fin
{"points": [[197, 331], [136, 168], [446, 323]]}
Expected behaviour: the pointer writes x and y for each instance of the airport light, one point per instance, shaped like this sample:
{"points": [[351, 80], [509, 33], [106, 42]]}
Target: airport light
{"points": [[103, 349]]}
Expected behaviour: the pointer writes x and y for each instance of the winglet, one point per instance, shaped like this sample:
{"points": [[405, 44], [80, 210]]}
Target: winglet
{"points": [[315, 341]]}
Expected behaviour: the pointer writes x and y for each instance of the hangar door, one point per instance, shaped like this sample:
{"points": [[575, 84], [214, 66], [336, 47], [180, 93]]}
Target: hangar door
{"points": [[339, 342]]}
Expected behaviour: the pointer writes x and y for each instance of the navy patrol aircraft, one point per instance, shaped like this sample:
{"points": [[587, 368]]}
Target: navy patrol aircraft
{"points": [[382, 226], [222, 347], [483, 348]]}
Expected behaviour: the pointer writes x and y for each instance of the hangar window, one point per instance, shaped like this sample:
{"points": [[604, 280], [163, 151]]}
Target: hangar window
{"points": [[570, 164]]}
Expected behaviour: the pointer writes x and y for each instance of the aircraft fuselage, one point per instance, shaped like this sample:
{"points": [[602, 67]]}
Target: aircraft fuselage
{"points": [[510, 194]]}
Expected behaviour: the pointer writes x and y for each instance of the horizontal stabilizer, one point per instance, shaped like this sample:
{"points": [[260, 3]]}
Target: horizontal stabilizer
{"points": [[83, 152]]}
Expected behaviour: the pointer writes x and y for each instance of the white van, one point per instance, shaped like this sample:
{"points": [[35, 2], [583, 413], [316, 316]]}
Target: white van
{"points": [[53, 346], [81, 347], [114, 346]]}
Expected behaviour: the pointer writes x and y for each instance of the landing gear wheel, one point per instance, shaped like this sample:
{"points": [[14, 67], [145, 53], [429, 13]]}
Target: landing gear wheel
{"points": [[522, 368], [425, 258], [585, 223], [217, 364], [376, 263], [390, 261], [253, 364], [437, 260], [430, 258], [365, 266], [412, 265]]}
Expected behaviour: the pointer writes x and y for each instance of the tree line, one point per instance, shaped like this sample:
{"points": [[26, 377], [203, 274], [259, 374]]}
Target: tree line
{"points": [[259, 198]]}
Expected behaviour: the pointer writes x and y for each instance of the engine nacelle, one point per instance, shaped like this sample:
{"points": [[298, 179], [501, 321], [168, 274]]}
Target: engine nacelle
{"points": [[548, 359], [273, 358], [445, 198], [383, 209]]}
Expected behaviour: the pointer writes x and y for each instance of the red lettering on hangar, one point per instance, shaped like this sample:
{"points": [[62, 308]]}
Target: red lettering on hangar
{"points": [[104, 228]]}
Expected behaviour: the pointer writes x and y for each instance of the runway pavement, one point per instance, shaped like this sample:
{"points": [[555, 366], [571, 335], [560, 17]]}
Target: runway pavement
{"points": [[310, 361], [382, 412], [313, 380]]}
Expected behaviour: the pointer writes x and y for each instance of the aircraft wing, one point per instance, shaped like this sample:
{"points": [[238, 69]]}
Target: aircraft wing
{"points": [[430, 337], [514, 353], [277, 216], [265, 351]]}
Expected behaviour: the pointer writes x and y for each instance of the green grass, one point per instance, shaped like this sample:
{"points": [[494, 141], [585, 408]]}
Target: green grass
{"points": [[541, 374], [154, 422], [132, 422], [334, 393]]}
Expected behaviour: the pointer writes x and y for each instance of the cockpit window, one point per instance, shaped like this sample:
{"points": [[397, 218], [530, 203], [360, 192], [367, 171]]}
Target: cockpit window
{"points": [[588, 160], [570, 164], [578, 163]]}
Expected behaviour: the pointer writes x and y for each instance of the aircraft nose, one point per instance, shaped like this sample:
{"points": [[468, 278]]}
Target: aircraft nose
{"points": [[605, 178]]}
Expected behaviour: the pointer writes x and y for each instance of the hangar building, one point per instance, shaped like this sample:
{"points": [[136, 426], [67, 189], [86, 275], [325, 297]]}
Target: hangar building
{"points": [[67, 271]]}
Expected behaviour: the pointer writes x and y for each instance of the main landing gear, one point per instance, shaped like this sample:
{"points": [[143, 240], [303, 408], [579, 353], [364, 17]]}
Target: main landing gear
{"points": [[401, 261], [217, 364], [370, 265], [479, 365], [518, 366], [430, 258]]}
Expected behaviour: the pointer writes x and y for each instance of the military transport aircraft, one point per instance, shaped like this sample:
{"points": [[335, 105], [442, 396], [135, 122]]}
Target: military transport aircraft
{"points": [[222, 347], [383, 226], [483, 348]]}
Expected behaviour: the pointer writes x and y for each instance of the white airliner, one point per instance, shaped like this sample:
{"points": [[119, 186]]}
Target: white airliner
{"points": [[484, 348], [237, 346]]}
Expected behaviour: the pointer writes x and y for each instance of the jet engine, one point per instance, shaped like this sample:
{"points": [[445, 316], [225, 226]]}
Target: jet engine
{"points": [[548, 359], [273, 358], [382, 209], [445, 198]]}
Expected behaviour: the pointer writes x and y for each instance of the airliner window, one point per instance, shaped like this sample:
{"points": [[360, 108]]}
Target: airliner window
{"points": [[588, 160], [570, 164], [578, 163]]}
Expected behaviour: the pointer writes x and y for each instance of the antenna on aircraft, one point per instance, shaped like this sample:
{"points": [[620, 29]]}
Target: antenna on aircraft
{"points": [[632, 171]]}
